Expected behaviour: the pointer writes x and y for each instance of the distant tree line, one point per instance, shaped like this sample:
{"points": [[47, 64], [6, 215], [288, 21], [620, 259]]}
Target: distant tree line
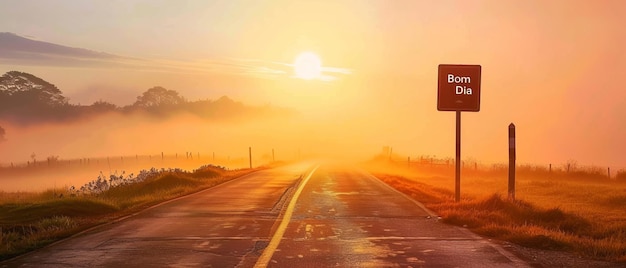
{"points": [[25, 98]]}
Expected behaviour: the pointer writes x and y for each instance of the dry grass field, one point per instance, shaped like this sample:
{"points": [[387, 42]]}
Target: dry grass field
{"points": [[581, 211]]}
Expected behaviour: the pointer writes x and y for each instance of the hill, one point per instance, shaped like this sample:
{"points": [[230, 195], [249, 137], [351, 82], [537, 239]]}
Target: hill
{"points": [[13, 46]]}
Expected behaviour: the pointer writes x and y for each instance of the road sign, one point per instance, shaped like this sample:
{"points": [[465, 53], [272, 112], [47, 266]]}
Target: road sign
{"points": [[458, 88]]}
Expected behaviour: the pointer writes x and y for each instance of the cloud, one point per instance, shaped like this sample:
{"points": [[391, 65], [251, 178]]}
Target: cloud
{"points": [[18, 50], [275, 69]]}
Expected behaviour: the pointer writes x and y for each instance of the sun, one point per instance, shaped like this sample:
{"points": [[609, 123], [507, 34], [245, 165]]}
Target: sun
{"points": [[307, 66]]}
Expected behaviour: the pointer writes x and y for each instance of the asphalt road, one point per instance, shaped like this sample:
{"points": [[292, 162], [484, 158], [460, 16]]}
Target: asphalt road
{"points": [[295, 216]]}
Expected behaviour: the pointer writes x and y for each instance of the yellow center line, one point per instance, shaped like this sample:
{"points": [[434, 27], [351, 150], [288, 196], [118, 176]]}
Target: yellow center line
{"points": [[265, 258]]}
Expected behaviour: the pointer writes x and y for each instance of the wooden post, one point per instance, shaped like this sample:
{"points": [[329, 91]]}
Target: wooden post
{"points": [[568, 165], [250, 155], [162, 156], [609, 172], [273, 156], [512, 161], [408, 162], [550, 168]]}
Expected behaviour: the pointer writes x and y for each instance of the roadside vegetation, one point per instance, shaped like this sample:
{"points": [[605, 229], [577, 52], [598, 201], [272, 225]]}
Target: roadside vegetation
{"points": [[580, 211], [32, 220]]}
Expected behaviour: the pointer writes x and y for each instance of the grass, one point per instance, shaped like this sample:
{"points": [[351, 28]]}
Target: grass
{"points": [[32, 220], [577, 212]]}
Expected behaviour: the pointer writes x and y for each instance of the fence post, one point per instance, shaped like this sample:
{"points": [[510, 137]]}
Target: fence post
{"points": [[609, 171], [250, 155], [512, 161], [568, 165], [409, 162], [550, 168]]}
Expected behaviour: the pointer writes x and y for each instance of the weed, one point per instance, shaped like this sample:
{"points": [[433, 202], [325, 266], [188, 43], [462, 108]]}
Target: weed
{"points": [[57, 223]]}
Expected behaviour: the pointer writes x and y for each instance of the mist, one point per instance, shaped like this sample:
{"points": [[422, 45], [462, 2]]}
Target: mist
{"points": [[127, 141], [350, 119]]}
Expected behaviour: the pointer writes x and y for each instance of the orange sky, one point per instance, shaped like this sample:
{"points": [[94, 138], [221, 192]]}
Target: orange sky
{"points": [[551, 67]]}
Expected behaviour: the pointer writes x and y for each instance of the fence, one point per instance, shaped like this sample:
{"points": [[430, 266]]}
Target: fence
{"points": [[570, 169], [183, 160]]}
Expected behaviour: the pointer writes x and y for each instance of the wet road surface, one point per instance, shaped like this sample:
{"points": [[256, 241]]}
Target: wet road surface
{"points": [[347, 218], [332, 217]]}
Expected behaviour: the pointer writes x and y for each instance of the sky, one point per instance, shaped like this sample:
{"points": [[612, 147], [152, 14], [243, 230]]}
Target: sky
{"points": [[553, 68]]}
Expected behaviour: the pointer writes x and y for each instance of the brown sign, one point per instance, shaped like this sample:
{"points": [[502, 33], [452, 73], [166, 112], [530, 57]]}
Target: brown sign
{"points": [[458, 88]]}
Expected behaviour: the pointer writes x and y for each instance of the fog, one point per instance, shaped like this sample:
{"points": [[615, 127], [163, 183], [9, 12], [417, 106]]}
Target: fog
{"points": [[350, 119], [116, 142]]}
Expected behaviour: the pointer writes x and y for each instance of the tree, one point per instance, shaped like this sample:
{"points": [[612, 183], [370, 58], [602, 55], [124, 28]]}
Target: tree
{"points": [[27, 89], [159, 96], [102, 106]]}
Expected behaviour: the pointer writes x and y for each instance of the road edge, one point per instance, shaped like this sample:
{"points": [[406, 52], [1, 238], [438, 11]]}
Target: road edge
{"points": [[116, 220], [517, 261], [420, 205]]}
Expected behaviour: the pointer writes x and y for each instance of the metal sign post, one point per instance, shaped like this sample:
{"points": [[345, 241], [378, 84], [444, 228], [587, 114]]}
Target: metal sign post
{"points": [[457, 171], [458, 89]]}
